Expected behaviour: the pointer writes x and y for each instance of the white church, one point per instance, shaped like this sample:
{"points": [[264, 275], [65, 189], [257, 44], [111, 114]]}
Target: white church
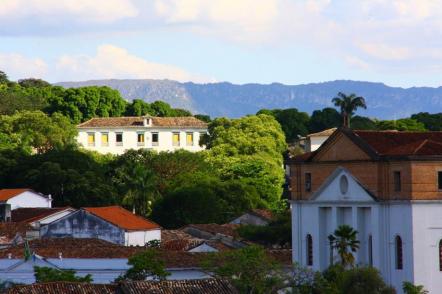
{"points": [[387, 185]]}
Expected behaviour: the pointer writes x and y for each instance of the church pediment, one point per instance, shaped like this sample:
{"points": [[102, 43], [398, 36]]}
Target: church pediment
{"points": [[340, 147], [341, 186]]}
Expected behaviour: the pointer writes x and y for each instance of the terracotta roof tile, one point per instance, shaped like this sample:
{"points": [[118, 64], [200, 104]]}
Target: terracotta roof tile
{"points": [[64, 287], [6, 194], [206, 286], [122, 218], [137, 121], [327, 132], [8, 231], [225, 229], [32, 214], [263, 213], [395, 143]]}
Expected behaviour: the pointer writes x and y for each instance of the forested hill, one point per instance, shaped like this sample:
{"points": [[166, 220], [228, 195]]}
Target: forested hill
{"points": [[226, 99]]}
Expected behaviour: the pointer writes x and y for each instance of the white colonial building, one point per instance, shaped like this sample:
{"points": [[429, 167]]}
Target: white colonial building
{"points": [[387, 186], [18, 198], [115, 135]]}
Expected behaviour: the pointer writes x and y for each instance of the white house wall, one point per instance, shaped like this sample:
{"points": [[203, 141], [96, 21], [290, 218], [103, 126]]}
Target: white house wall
{"points": [[130, 139], [140, 238], [29, 199]]}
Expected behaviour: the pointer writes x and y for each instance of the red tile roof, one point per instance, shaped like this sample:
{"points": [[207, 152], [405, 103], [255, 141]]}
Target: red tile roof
{"points": [[324, 133], [33, 214], [122, 218], [137, 121], [395, 143], [8, 231], [206, 286], [263, 213], [6, 194], [64, 287], [225, 229], [96, 248]]}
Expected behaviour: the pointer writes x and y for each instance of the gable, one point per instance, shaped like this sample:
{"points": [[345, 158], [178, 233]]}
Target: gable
{"points": [[340, 147], [341, 186]]}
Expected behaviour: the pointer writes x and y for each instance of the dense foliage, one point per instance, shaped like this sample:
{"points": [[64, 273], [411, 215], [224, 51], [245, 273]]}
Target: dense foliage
{"points": [[47, 274], [145, 264]]}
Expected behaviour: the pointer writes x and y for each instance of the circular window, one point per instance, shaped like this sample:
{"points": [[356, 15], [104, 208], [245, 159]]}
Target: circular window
{"points": [[343, 184]]}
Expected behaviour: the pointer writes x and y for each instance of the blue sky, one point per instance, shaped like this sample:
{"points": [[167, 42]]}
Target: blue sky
{"points": [[241, 41]]}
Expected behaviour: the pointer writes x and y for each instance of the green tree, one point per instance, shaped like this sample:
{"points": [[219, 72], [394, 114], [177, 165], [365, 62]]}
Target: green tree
{"points": [[47, 274], [344, 241], [364, 280], [33, 83], [203, 117], [348, 104], [249, 269], [138, 108], [293, 122], [363, 123], [432, 122], [161, 108], [204, 199], [34, 130], [324, 119], [409, 288], [146, 264], [405, 124], [3, 78]]}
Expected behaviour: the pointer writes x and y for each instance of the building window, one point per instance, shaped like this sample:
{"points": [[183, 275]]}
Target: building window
{"points": [[140, 139], [397, 181], [91, 139], [176, 139], [202, 136], [104, 139], [308, 182], [119, 139], [309, 247], [440, 255], [155, 139], [189, 139], [399, 253], [439, 180], [370, 250]]}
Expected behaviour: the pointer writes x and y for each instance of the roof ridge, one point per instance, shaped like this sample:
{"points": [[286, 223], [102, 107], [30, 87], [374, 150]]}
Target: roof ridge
{"points": [[425, 141]]}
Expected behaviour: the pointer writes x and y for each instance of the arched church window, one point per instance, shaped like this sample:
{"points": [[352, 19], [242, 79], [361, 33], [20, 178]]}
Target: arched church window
{"points": [[309, 247], [399, 253]]}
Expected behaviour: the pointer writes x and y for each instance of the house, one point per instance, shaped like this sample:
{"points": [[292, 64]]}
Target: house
{"points": [[387, 185], [256, 217], [103, 260], [36, 217], [178, 240], [315, 140], [24, 198], [111, 223], [117, 134], [216, 235], [12, 233], [207, 286]]}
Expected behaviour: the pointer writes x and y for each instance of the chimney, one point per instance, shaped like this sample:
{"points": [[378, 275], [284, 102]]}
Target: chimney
{"points": [[147, 121], [9, 255], [60, 255]]}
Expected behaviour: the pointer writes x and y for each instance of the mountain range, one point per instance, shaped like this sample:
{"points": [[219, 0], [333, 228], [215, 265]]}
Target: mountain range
{"points": [[231, 100]]}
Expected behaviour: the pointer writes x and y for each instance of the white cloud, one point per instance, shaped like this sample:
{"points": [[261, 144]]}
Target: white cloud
{"points": [[16, 64], [59, 11], [115, 62]]}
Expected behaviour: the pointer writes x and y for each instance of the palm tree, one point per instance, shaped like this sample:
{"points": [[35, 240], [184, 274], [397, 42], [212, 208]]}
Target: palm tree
{"points": [[343, 240], [141, 182], [348, 105]]}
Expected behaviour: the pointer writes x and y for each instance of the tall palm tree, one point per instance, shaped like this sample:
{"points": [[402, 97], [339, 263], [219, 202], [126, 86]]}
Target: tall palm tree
{"points": [[348, 105], [345, 242]]}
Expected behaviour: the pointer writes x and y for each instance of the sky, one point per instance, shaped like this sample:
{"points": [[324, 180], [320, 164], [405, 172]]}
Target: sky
{"points": [[397, 42]]}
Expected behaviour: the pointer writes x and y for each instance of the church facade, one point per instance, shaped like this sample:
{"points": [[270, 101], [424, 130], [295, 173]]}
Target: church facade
{"points": [[387, 185]]}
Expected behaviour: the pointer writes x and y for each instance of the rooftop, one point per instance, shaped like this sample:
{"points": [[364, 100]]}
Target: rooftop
{"points": [[327, 132], [137, 121], [388, 144], [207, 286], [96, 248], [122, 218], [225, 229], [263, 213], [64, 287], [6, 194], [33, 214]]}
